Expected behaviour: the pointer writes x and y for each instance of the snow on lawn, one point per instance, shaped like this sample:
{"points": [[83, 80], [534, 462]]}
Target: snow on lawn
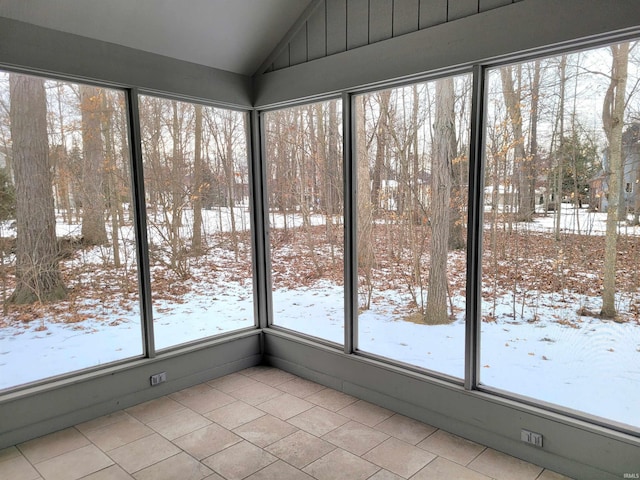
{"points": [[588, 365], [199, 316], [29, 353], [584, 364], [573, 220]]}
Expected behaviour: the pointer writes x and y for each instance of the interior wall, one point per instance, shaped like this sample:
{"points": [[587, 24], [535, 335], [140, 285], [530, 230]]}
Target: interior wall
{"points": [[530, 27], [52, 406], [524, 26], [574, 448], [49, 52], [336, 26]]}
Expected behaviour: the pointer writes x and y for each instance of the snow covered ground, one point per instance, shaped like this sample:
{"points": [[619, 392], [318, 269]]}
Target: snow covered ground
{"points": [[588, 365], [583, 363], [594, 368]]}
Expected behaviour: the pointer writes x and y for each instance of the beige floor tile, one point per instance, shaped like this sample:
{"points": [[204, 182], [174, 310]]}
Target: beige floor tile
{"points": [[103, 421], [273, 377], [453, 447], [180, 466], [214, 476], [202, 398], [8, 453], [120, 433], [154, 409], [331, 399], [18, 468], [504, 467], [52, 445], [234, 381], [318, 421], [340, 464], [235, 414], [441, 468], [207, 441], [386, 475], [265, 430], [308, 431], [355, 437], [405, 428], [143, 452], [256, 394], [280, 471], [365, 412], [550, 475], [253, 371], [300, 448], [75, 464], [300, 387], [399, 457], [285, 406], [114, 472], [179, 424], [239, 461]]}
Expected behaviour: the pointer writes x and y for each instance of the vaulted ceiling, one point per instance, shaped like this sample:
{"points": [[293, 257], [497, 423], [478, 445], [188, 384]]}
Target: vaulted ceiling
{"points": [[233, 35]]}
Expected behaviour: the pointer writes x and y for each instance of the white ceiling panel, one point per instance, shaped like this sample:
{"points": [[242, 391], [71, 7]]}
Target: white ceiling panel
{"points": [[233, 35]]}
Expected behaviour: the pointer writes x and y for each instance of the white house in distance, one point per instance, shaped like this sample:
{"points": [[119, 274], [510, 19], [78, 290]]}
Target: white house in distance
{"points": [[629, 195]]}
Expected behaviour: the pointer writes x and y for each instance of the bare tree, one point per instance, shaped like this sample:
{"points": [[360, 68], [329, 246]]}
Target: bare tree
{"points": [[613, 122], [525, 177], [93, 201], [37, 270], [198, 184], [444, 131], [365, 209]]}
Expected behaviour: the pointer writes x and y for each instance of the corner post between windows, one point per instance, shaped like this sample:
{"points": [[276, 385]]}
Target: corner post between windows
{"points": [[142, 243]]}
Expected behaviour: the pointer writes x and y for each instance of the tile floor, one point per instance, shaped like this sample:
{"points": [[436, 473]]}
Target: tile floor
{"points": [[260, 424]]}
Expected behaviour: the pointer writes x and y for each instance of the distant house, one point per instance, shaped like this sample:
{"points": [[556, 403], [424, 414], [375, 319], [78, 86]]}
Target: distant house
{"points": [[501, 198], [630, 185]]}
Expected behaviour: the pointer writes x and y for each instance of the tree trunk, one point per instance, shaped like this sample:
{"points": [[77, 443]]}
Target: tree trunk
{"points": [[198, 188], [533, 159], [93, 201], [37, 270], [365, 209], [334, 158], [230, 178], [613, 121], [525, 200], [559, 152], [176, 182], [382, 132], [458, 198], [111, 178], [436, 311]]}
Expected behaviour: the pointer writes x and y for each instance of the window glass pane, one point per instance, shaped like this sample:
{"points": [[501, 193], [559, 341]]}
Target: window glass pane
{"points": [[561, 239], [68, 273], [412, 168], [197, 192], [304, 185]]}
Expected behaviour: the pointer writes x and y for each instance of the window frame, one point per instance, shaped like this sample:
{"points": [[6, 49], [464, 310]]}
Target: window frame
{"points": [[137, 192], [473, 317]]}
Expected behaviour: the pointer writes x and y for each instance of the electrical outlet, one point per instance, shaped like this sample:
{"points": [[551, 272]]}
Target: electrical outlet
{"points": [[531, 438], [158, 378]]}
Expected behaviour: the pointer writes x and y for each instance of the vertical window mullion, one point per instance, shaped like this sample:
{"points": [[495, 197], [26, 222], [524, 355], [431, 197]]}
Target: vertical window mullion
{"points": [[474, 232], [259, 221], [350, 233], [139, 205]]}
